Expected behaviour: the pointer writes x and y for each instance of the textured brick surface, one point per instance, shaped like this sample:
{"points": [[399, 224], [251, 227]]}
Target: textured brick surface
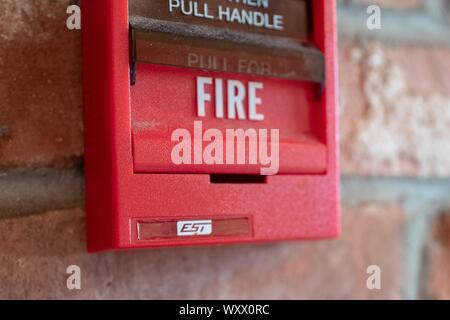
{"points": [[390, 4], [36, 251], [395, 109], [40, 85], [438, 286]]}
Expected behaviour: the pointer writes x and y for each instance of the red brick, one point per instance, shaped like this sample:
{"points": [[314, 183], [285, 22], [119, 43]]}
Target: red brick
{"points": [[40, 85], [36, 251], [395, 109], [438, 286]]}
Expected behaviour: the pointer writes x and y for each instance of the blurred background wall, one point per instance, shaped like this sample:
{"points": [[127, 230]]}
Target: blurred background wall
{"points": [[395, 141]]}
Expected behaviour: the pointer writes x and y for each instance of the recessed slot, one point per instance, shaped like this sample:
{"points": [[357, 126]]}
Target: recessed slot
{"points": [[237, 179], [183, 228]]}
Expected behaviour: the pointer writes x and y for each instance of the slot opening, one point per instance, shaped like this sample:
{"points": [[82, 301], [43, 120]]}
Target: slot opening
{"points": [[237, 179]]}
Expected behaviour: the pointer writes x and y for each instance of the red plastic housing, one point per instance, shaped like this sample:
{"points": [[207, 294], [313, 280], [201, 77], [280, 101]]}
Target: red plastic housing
{"points": [[137, 198]]}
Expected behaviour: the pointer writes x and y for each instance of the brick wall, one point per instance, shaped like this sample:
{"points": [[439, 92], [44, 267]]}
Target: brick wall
{"points": [[395, 114]]}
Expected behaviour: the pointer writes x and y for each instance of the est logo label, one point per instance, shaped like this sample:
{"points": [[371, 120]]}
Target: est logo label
{"points": [[194, 228]]}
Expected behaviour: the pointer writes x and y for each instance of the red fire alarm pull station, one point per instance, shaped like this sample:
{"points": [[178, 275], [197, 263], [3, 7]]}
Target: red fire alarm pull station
{"points": [[209, 122]]}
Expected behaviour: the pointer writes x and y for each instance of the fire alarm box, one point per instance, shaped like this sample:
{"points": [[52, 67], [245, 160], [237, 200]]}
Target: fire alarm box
{"points": [[209, 122]]}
